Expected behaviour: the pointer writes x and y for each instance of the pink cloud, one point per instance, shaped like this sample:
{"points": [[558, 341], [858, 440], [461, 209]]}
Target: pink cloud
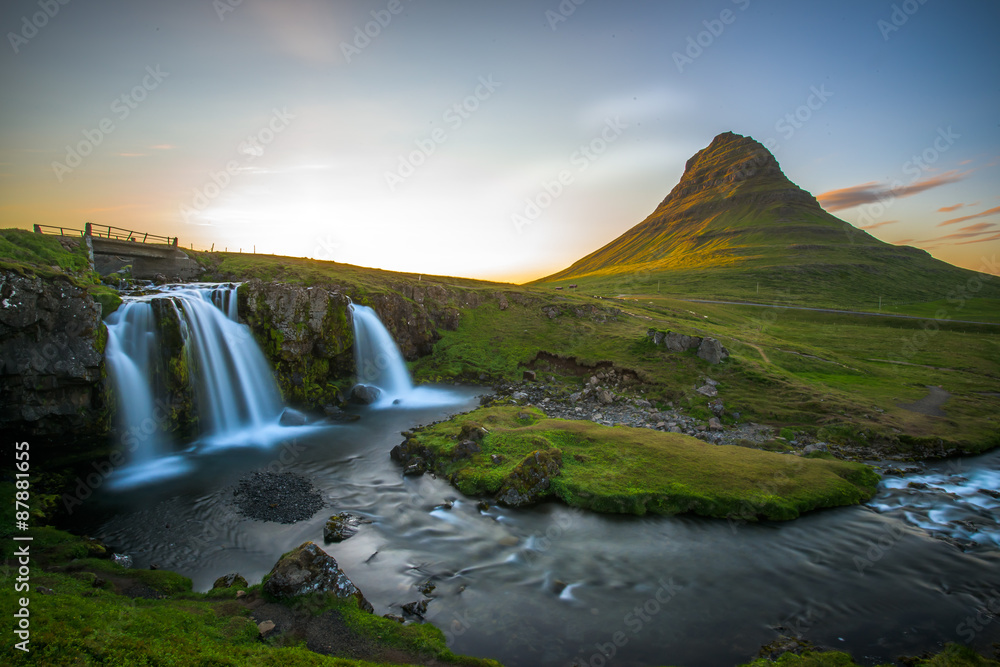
{"points": [[995, 209], [871, 192]]}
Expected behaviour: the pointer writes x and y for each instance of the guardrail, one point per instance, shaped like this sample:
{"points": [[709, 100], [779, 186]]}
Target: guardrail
{"points": [[108, 232]]}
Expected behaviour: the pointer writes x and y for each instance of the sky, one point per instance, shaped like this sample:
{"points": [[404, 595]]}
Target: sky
{"points": [[488, 139]]}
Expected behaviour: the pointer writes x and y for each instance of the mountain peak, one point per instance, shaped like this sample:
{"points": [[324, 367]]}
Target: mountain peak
{"points": [[734, 165]]}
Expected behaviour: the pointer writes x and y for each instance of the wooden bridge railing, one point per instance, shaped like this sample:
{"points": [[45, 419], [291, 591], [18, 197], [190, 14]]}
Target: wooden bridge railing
{"points": [[108, 232]]}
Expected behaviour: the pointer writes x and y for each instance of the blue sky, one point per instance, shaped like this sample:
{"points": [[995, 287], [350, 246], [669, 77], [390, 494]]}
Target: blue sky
{"points": [[437, 141]]}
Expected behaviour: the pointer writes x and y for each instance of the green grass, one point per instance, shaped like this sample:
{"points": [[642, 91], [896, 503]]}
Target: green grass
{"points": [[38, 254], [953, 655], [80, 623], [638, 471]]}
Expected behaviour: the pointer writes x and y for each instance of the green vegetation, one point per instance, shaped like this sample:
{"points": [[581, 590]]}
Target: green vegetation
{"points": [[633, 470], [89, 611], [953, 655], [37, 254]]}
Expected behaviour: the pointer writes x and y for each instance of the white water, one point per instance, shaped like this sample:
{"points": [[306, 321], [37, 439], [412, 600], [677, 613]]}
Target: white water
{"points": [[377, 357], [237, 400]]}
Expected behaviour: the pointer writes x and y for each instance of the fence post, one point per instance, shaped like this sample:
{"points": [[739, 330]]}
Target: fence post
{"points": [[38, 229], [87, 231]]}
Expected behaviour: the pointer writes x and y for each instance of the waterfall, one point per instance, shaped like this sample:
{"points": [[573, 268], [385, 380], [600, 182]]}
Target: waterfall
{"points": [[377, 357], [180, 359]]}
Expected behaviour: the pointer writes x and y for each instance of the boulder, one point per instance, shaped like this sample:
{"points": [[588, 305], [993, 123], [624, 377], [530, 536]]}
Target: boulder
{"points": [[341, 526], [308, 569], [231, 580], [676, 342], [336, 415], [655, 336], [466, 449], [530, 479], [714, 424], [529, 376], [712, 351], [606, 397], [366, 394], [708, 390], [292, 417]]}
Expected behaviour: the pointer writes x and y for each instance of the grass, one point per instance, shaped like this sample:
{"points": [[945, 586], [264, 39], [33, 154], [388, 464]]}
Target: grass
{"points": [[953, 655], [638, 471], [82, 620]]}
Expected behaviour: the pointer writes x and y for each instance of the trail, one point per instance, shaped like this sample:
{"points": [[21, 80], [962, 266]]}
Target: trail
{"points": [[841, 312], [929, 404]]}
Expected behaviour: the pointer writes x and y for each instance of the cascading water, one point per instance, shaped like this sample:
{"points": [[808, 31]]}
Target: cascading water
{"points": [[213, 359], [377, 356], [379, 363]]}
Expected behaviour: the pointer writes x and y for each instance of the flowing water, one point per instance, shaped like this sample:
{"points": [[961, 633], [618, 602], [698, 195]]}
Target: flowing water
{"points": [[554, 586]]}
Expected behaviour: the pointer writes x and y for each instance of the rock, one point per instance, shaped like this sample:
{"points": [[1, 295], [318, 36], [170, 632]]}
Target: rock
{"points": [[122, 559], [606, 397], [717, 407], [366, 394], [529, 376], [395, 617], [240, 594], [675, 429], [231, 580], [990, 492], [575, 397], [473, 432], [292, 417], [285, 497], [519, 396], [712, 351], [530, 479], [593, 380], [708, 390], [496, 458], [308, 569], [265, 627], [676, 342], [714, 383], [341, 526], [335, 414], [467, 448], [655, 336], [416, 608], [714, 424], [51, 360]]}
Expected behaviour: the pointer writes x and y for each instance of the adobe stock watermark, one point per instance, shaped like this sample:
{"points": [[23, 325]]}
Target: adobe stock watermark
{"points": [[698, 43], [249, 149], [223, 7], [455, 116], [898, 17], [121, 108], [581, 159], [915, 167], [562, 12], [31, 25], [363, 35], [986, 614], [634, 621]]}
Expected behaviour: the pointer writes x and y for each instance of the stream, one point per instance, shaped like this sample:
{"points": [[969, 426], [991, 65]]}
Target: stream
{"points": [[551, 585]]}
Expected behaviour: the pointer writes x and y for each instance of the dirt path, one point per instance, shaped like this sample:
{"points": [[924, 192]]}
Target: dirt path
{"points": [[929, 404], [842, 312]]}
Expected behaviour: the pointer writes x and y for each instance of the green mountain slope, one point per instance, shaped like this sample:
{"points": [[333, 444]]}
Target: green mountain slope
{"points": [[735, 227]]}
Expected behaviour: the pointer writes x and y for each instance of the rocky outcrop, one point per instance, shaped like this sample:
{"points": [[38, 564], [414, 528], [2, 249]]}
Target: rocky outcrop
{"points": [[308, 569], [709, 349], [52, 374], [307, 334], [531, 479]]}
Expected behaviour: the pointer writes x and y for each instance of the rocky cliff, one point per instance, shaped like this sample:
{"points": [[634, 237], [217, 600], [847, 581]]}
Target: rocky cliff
{"points": [[307, 334], [51, 359]]}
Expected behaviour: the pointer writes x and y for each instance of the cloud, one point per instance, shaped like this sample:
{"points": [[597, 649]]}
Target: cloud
{"points": [[873, 191], [971, 232], [878, 224], [992, 211], [162, 147], [949, 209]]}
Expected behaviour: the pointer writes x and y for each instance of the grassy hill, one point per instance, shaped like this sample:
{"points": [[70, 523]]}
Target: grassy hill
{"points": [[735, 227]]}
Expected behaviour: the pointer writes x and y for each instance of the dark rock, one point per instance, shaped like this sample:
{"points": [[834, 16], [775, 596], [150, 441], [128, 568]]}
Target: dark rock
{"points": [[51, 360], [365, 394], [473, 432], [231, 580], [717, 407], [529, 376], [341, 526], [712, 351], [416, 608], [292, 417], [496, 458], [676, 342], [395, 617], [530, 479], [308, 569], [990, 492], [467, 448], [335, 414]]}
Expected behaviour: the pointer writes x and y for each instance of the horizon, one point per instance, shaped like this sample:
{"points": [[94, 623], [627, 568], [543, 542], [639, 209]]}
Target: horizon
{"points": [[495, 143]]}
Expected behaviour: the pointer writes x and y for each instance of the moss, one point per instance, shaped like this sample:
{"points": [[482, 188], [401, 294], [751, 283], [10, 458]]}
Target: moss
{"points": [[637, 471], [107, 297]]}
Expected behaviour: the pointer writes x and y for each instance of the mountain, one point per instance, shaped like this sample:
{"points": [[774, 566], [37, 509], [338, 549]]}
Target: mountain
{"points": [[735, 227]]}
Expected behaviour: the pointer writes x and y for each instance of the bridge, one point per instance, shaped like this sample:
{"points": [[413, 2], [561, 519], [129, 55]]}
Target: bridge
{"points": [[113, 248]]}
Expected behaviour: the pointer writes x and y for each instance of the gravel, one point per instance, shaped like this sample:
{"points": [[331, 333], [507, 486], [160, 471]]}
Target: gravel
{"points": [[281, 497]]}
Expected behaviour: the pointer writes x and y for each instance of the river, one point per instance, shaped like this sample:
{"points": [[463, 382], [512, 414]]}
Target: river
{"points": [[554, 586]]}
